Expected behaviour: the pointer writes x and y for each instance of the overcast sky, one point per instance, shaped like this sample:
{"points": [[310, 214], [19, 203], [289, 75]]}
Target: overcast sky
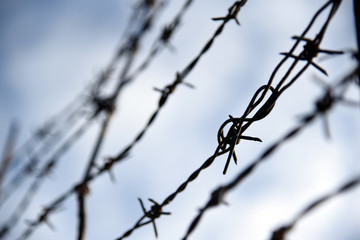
{"points": [[51, 50]]}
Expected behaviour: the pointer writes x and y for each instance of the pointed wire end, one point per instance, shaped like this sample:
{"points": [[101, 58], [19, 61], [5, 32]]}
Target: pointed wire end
{"points": [[256, 139], [51, 226], [319, 68], [338, 52], [172, 48], [155, 229], [225, 203], [326, 128], [153, 201], [112, 177], [142, 205], [217, 18], [189, 85], [295, 37], [331, 52], [237, 21], [157, 89], [235, 158], [225, 168]]}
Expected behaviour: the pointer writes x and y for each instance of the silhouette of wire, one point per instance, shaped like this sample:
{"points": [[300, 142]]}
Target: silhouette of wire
{"points": [[8, 154], [55, 128], [46, 170], [233, 11], [227, 143], [356, 5], [83, 185], [281, 232], [150, 13], [165, 93], [50, 138], [323, 105]]}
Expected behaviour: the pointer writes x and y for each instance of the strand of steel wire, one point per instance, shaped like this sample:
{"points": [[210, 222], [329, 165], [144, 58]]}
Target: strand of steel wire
{"points": [[281, 232], [8, 153], [163, 39], [236, 130], [40, 177], [357, 25], [35, 158], [166, 35], [311, 50], [109, 164], [221, 149], [156, 209], [322, 106], [55, 128], [165, 94], [149, 16], [41, 143], [100, 105]]}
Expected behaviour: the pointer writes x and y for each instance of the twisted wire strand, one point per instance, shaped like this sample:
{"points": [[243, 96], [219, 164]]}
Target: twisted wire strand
{"points": [[237, 123], [8, 154], [55, 204], [307, 54], [45, 171], [163, 39], [59, 124], [260, 114], [50, 164], [281, 232], [39, 144], [35, 158], [323, 105], [165, 94], [150, 13]]}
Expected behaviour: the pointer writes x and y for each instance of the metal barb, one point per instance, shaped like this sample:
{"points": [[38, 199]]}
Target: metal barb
{"points": [[154, 212], [233, 12]]}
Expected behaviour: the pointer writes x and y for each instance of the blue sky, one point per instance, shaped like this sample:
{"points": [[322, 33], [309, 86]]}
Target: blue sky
{"points": [[50, 51]]}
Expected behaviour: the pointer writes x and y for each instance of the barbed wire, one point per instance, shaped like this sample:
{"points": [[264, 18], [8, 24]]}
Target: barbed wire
{"points": [[165, 93], [150, 13], [58, 125], [8, 154], [106, 104], [41, 143], [226, 144], [53, 137], [232, 14], [100, 105], [54, 129], [40, 177], [281, 232], [322, 106]]}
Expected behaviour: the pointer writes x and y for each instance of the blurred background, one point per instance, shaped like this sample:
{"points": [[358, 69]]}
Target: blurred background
{"points": [[50, 51]]}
